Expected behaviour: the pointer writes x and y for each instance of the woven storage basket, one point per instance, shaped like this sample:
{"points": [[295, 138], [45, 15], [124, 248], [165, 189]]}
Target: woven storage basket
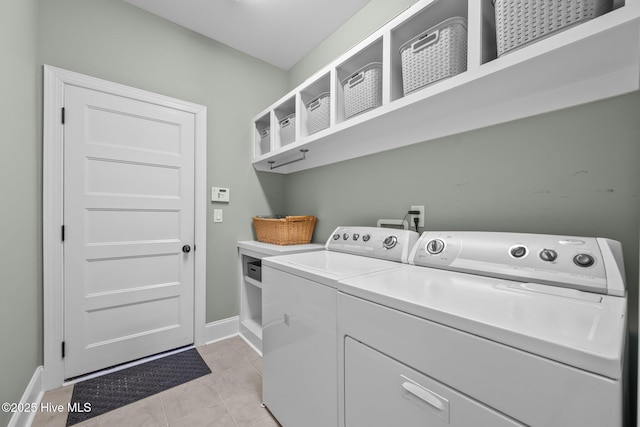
{"points": [[435, 54], [318, 113], [519, 22], [288, 129], [363, 90], [265, 142], [290, 230]]}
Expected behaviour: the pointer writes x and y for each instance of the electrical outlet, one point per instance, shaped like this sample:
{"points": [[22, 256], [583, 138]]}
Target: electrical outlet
{"points": [[420, 217]]}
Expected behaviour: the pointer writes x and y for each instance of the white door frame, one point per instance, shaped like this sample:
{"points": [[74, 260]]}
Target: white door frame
{"points": [[55, 80]]}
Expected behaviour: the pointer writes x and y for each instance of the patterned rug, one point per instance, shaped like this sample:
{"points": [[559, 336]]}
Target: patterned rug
{"points": [[112, 391]]}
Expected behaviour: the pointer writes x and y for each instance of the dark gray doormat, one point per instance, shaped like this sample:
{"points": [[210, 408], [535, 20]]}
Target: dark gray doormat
{"points": [[121, 388]]}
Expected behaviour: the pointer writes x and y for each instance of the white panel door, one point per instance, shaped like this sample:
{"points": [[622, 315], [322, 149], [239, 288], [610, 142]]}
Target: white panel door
{"points": [[128, 213]]}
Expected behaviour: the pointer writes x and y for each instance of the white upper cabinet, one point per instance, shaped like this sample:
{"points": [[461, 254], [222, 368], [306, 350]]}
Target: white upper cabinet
{"points": [[596, 59]]}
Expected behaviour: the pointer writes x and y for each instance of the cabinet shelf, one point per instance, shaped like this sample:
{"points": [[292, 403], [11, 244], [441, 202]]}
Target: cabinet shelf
{"points": [[591, 61], [253, 282]]}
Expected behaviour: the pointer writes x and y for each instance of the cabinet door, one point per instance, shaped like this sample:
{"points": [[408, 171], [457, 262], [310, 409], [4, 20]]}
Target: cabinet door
{"points": [[300, 356], [380, 391]]}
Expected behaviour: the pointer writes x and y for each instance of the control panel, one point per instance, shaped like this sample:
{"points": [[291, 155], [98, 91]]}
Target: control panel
{"points": [[374, 242], [584, 263]]}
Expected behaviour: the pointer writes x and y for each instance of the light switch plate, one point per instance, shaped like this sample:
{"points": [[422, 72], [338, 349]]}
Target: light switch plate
{"points": [[217, 215], [219, 194]]}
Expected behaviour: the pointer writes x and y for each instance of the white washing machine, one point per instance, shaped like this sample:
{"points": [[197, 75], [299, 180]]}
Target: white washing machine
{"points": [[299, 297], [487, 329]]}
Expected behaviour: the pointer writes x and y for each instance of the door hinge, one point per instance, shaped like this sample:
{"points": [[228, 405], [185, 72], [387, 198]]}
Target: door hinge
{"points": [[62, 115], [63, 349], [63, 233]]}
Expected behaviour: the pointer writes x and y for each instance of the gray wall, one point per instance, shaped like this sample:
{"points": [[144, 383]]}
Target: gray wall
{"points": [[520, 176], [372, 16], [569, 172], [20, 188], [116, 41]]}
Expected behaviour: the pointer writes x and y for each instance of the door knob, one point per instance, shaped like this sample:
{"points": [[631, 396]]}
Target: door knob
{"points": [[186, 249]]}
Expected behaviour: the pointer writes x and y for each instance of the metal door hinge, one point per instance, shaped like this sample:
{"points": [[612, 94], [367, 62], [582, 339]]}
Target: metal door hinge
{"points": [[62, 115], [63, 349], [63, 233]]}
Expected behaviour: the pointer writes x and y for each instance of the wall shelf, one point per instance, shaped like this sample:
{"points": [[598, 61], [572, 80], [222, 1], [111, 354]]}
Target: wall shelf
{"points": [[588, 62]]}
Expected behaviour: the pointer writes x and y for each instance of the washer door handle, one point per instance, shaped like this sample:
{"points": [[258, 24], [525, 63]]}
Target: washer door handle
{"points": [[424, 394]]}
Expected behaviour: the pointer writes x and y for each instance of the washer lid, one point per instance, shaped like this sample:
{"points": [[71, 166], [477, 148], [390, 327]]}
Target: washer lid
{"points": [[577, 328], [327, 267]]}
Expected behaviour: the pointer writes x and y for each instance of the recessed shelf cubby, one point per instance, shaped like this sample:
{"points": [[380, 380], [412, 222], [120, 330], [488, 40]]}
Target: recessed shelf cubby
{"points": [[347, 71], [429, 17], [262, 135], [310, 93]]}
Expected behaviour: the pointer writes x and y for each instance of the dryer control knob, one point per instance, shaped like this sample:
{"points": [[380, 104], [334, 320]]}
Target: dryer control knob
{"points": [[518, 251], [583, 260], [336, 236], [435, 246], [356, 236], [345, 236], [548, 255], [366, 238], [390, 242]]}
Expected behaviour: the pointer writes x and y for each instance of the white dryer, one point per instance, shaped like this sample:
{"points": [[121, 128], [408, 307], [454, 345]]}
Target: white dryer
{"points": [[299, 296], [499, 329]]}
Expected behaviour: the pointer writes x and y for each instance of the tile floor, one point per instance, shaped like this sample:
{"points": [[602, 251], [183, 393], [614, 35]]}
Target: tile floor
{"points": [[230, 396]]}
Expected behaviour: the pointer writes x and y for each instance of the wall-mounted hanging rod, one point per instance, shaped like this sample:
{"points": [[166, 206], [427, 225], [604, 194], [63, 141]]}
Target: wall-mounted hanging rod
{"points": [[304, 156]]}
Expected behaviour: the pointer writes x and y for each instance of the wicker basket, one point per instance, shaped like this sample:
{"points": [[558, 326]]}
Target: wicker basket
{"points": [[288, 129], [318, 113], [519, 22], [290, 230], [363, 90], [435, 54]]}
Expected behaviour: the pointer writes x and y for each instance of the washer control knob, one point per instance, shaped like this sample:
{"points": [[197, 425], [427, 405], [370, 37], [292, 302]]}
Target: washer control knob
{"points": [[518, 251], [366, 238], [583, 260], [390, 242], [548, 255], [435, 246], [345, 236], [336, 236], [356, 236]]}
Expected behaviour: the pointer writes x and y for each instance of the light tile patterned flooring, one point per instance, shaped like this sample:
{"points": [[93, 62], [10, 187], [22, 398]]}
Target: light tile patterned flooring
{"points": [[230, 396]]}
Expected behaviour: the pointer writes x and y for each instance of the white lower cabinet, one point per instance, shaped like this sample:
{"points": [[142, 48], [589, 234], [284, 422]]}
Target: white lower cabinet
{"points": [[250, 254], [300, 350], [380, 391]]}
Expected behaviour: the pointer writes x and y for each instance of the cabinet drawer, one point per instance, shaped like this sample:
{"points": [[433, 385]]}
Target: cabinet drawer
{"points": [[380, 391]]}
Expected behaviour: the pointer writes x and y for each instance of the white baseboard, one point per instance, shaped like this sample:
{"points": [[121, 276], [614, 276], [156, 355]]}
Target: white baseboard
{"points": [[250, 344], [32, 395], [222, 329]]}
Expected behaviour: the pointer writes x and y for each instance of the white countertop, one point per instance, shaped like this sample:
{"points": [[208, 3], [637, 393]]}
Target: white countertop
{"points": [[270, 249]]}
